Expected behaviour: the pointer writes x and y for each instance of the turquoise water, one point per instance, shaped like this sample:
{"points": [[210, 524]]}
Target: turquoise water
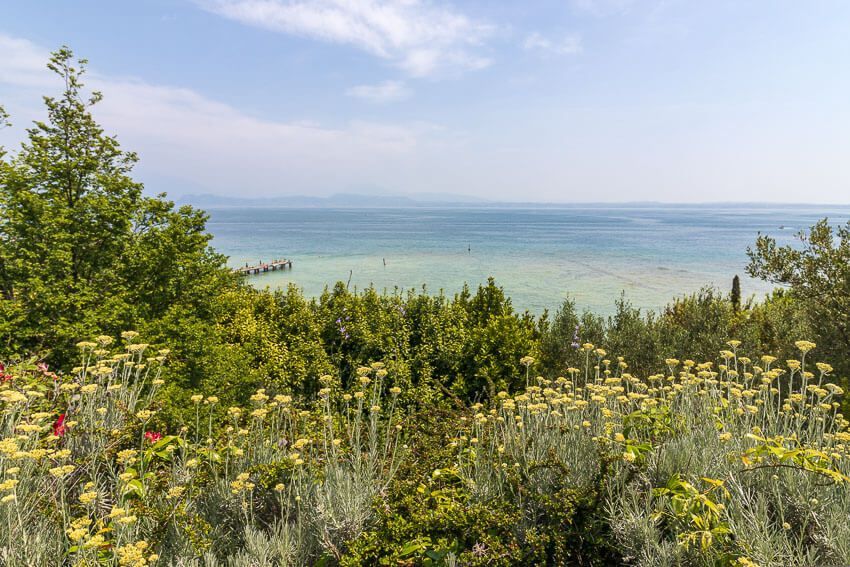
{"points": [[540, 256]]}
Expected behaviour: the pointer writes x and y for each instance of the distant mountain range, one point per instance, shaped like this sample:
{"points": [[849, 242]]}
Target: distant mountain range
{"points": [[341, 200], [372, 201]]}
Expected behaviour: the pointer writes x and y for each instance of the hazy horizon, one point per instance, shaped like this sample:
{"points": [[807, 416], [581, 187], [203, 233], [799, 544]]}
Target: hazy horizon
{"points": [[551, 101], [209, 199]]}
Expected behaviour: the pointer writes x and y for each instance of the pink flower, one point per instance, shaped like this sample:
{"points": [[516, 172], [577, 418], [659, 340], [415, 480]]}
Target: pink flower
{"points": [[59, 426], [153, 436]]}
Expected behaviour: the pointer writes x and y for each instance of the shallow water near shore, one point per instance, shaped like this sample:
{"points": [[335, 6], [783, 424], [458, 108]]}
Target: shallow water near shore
{"points": [[540, 256]]}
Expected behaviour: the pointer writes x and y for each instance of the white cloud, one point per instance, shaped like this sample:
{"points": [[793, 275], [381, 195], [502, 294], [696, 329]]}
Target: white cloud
{"points": [[21, 63], [569, 45], [388, 91], [195, 142], [421, 38]]}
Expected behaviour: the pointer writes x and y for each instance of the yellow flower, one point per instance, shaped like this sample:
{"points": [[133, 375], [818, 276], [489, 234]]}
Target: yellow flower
{"points": [[133, 555], [241, 484], [176, 492], [61, 471], [117, 512], [824, 368], [805, 346], [88, 497], [127, 456], [197, 398], [260, 396]]}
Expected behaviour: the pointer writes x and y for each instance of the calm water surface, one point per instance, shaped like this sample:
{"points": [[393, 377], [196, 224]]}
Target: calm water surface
{"points": [[540, 256]]}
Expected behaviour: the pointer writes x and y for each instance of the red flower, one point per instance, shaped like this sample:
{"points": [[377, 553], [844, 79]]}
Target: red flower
{"points": [[59, 426], [153, 436]]}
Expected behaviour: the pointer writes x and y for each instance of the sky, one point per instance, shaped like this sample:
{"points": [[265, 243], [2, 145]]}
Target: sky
{"points": [[531, 101]]}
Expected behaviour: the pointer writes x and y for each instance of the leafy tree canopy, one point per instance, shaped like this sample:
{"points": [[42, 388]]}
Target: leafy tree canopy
{"points": [[82, 249], [818, 274]]}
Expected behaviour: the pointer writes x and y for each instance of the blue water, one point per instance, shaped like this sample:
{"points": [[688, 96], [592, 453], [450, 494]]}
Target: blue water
{"points": [[540, 256]]}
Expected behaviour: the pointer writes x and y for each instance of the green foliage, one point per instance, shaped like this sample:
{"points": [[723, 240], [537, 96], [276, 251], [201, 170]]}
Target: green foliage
{"points": [[434, 347], [695, 325], [818, 275], [735, 296], [82, 250]]}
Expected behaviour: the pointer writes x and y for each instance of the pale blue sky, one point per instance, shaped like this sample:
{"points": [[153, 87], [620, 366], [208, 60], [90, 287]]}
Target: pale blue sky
{"points": [[559, 100]]}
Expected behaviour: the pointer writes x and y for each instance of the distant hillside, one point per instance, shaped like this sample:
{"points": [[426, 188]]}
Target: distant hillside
{"points": [[342, 200]]}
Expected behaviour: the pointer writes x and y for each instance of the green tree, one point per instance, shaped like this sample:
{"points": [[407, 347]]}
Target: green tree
{"points": [[736, 293], [818, 275], [82, 249]]}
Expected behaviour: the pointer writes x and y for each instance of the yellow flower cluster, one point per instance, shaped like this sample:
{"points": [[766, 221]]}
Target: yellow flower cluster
{"points": [[241, 484], [135, 555]]}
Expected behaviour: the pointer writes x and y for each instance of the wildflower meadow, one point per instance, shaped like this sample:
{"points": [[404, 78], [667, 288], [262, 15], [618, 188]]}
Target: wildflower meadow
{"points": [[740, 461]]}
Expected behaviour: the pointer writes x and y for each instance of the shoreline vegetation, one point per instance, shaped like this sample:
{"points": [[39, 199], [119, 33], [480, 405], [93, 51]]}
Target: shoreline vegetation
{"points": [[156, 410]]}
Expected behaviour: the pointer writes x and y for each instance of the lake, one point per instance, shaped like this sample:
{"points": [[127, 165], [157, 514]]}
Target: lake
{"points": [[539, 255]]}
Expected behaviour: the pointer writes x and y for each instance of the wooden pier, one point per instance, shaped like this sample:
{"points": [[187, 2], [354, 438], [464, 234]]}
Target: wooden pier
{"points": [[263, 267]]}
